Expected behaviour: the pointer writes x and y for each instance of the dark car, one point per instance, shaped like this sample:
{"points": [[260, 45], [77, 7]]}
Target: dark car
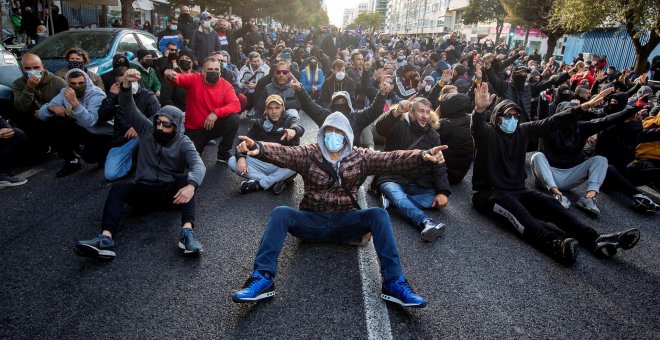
{"points": [[100, 43]]}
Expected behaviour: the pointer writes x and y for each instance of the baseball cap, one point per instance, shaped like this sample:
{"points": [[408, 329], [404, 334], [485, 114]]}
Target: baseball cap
{"points": [[274, 98], [521, 68], [204, 16]]}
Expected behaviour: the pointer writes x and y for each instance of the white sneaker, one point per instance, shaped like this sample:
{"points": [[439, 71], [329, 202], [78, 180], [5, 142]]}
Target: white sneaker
{"points": [[432, 231], [385, 201]]}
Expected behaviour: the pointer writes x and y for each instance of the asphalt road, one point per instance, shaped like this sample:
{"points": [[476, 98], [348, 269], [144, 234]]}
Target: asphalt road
{"points": [[481, 279]]}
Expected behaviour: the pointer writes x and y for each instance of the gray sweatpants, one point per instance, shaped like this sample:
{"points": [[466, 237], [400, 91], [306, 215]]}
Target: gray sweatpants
{"points": [[592, 171], [267, 174]]}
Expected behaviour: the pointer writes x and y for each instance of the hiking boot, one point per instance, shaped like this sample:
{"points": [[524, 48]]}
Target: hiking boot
{"points": [[607, 245], [250, 186], [223, 157], [256, 288], [188, 243], [279, 187], [643, 203], [564, 251], [432, 230], [11, 181], [69, 167], [100, 246], [399, 291], [565, 202], [588, 205]]}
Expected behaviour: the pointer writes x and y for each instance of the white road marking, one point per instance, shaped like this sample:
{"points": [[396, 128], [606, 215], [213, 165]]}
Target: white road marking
{"points": [[376, 315]]}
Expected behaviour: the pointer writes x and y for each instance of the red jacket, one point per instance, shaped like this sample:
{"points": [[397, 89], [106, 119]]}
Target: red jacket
{"points": [[202, 98]]}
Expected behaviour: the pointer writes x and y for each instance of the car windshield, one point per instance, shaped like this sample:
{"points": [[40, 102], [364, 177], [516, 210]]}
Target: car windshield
{"points": [[97, 44]]}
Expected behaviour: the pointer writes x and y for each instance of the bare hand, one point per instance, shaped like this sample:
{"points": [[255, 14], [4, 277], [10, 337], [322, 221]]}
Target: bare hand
{"points": [[6, 133], [402, 107], [70, 95], [446, 76], [477, 72], [210, 121], [289, 134], [114, 88], [579, 66], [59, 111], [595, 101], [246, 145], [482, 99], [131, 133], [440, 201], [297, 86], [435, 155], [184, 195], [600, 75], [33, 82], [385, 87], [170, 75], [241, 166]]}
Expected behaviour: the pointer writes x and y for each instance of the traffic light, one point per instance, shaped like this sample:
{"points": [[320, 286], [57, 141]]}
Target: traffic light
{"points": [[511, 34]]}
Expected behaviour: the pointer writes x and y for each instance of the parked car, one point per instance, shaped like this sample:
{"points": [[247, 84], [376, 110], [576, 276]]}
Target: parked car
{"points": [[9, 71], [100, 43]]}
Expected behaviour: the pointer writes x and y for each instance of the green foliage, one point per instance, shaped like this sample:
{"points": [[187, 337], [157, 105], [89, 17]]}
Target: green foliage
{"points": [[366, 20], [483, 11]]}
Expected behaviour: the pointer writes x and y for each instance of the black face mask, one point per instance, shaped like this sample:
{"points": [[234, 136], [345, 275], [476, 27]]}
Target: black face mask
{"points": [[185, 65], [343, 108], [172, 56], [147, 63], [519, 80], [212, 77], [80, 90], [162, 137], [312, 65], [222, 30]]}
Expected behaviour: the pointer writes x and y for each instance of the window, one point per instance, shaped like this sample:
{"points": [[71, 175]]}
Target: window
{"points": [[148, 42], [128, 43]]}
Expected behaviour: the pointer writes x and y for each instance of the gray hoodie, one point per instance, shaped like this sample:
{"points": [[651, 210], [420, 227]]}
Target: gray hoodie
{"points": [[162, 163], [339, 121]]}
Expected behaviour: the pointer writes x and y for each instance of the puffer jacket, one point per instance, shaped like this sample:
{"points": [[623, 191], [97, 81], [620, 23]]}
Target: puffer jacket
{"points": [[455, 132]]}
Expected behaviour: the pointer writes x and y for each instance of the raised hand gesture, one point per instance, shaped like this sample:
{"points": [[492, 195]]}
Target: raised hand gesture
{"points": [[482, 99]]}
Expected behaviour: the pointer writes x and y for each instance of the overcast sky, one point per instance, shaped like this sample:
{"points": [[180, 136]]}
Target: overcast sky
{"points": [[336, 9]]}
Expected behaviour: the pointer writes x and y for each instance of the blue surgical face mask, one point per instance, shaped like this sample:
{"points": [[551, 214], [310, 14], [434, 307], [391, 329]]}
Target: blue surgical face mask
{"points": [[509, 125], [333, 141], [33, 73], [207, 24]]}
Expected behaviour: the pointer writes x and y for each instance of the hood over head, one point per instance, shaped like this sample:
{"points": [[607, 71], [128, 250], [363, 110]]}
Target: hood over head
{"points": [[621, 97], [500, 108], [174, 114], [643, 90], [560, 96], [563, 106], [341, 94], [89, 88], [339, 121], [454, 105]]}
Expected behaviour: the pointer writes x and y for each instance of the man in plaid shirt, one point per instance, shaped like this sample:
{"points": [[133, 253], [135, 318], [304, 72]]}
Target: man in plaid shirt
{"points": [[332, 170]]}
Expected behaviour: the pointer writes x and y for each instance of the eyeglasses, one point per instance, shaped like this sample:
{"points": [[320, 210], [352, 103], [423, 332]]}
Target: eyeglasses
{"points": [[283, 72], [508, 116], [166, 125]]}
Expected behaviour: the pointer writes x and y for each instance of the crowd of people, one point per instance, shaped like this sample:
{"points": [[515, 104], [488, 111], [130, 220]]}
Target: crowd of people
{"points": [[414, 116]]}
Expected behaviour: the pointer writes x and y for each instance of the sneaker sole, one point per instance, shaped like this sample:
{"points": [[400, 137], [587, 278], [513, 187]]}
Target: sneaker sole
{"points": [[609, 249], [10, 184], [261, 296], [433, 234], [589, 212], [186, 251], [392, 299], [91, 251]]}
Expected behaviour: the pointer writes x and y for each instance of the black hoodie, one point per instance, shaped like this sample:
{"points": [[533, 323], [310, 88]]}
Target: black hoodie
{"points": [[454, 129], [499, 162]]}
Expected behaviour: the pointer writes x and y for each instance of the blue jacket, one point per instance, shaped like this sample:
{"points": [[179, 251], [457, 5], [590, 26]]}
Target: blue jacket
{"points": [[166, 36], [307, 78]]}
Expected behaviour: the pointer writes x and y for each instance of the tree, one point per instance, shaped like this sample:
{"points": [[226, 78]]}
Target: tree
{"points": [[641, 18], [127, 10], [536, 14], [485, 11], [366, 20]]}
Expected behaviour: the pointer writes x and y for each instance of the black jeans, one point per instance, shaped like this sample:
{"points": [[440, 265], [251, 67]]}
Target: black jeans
{"points": [[144, 196], [226, 127], [8, 147], [523, 209], [68, 136]]}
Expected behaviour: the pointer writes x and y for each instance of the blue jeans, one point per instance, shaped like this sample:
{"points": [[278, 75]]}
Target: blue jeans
{"points": [[410, 200], [331, 227], [120, 159]]}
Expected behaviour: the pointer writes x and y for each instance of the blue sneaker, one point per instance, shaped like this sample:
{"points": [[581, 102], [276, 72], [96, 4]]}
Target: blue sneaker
{"points": [[188, 243], [99, 246], [256, 288], [399, 291]]}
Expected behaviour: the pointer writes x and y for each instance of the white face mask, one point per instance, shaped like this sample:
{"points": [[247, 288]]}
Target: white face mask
{"points": [[427, 88], [135, 87], [340, 75]]}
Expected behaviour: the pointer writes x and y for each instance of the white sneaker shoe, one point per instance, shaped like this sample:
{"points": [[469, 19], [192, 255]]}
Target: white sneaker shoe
{"points": [[385, 201], [432, 231]]}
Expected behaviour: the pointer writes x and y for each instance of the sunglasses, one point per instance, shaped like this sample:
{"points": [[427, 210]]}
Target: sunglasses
{"points": [[284, 72], [166, 125], [508, 116], [172, 49]]}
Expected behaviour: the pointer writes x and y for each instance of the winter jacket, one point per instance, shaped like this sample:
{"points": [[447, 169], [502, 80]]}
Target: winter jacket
{"points": [[158, 163], [148, 77], [202, 99], [167, 36], [650, 149], [332, 85], [146, 103], [399, 134], [246, 75], [454, 130], [404, 89], [265, 130], [357, 119], [172, 95], [324, 180], [285, 91], [352, 72], [309, 78], [203, 44], [86, 114], [27, 99]]}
